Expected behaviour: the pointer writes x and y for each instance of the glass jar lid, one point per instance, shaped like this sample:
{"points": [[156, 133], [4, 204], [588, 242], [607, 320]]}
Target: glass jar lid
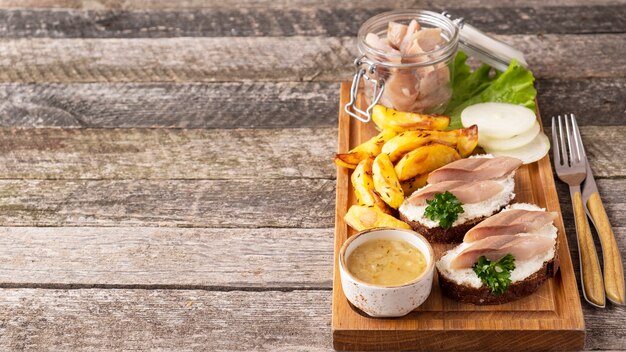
{"points": [[484, 47]]}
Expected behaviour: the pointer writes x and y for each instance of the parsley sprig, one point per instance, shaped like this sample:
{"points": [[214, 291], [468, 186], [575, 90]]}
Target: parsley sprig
{"points": [[445, 208], [496, 275]]}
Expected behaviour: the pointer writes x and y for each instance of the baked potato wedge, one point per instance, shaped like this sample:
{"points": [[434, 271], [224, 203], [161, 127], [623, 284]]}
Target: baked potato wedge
{"points": [[424, 160], [363, 185], [467, 140], [464, 140], [411, 185], [386, 182], [398, 121], [368, 149], [351, 159], [361, 217]]}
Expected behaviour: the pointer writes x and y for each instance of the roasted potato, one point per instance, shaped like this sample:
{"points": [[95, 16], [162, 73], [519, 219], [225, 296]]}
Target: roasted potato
{"points": [[467, 140], [411, 185], [386, 182], [424, 160], [363, 184], [361, 217], [368, 149], [398, 121], [351, 159], [464, 140]]}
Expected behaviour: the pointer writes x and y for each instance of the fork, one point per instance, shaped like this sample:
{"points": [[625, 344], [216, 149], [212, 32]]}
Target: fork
{"points": [[570, 163]]}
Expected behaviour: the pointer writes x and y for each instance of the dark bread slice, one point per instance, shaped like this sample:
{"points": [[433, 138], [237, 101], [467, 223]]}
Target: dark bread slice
{"points": [[441, 235], [517, 290]]}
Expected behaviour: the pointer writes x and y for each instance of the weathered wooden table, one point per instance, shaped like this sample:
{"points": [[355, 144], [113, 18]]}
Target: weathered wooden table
{"points": [[165, 170]]}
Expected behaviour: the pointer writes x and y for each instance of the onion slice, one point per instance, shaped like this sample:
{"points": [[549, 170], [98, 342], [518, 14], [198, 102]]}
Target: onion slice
{"points": [[529, 153], [499, 120], [512, 143]]}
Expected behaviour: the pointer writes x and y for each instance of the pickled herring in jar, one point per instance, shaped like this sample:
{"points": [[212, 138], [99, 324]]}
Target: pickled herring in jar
{"points": [[413, 53], [407, 57]]}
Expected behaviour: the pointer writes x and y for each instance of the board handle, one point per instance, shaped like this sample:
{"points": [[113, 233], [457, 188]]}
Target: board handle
{"points": [[590, 273], [613, 268]]}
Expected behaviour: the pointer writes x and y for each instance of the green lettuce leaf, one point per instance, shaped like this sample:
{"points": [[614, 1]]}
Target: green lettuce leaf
{"points": [[515, 86]]}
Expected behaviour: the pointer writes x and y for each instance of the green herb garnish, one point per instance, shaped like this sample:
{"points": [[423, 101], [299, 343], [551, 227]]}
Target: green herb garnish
{"points": [[445, 208], [496, 275]]}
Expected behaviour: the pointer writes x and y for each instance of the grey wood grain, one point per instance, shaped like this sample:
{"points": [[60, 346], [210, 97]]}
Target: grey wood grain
{"points": [[280, 4], [157, 258], [250, 203], [167, 153], [260, 154], [196, 319], [200, 320], [251, 105], [43, 60], [199, 203], [237, 22], [215, 105], [604, 145], [594, 101], [274, 294], [209, 259]]}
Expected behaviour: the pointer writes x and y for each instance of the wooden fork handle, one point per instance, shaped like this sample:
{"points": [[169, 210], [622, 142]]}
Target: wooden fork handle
{"points": [[613, 268], [591, 274]]}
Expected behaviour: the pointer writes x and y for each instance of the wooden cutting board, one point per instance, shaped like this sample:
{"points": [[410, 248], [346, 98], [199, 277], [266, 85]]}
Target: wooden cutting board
{"points": [[549, 319]]}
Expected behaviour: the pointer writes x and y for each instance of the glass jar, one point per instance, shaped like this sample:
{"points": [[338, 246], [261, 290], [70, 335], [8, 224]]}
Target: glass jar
{"points": [[417, 80]]}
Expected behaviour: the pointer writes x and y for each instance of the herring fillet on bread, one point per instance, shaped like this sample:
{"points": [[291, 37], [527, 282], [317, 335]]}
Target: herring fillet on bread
{"points": [[535, 253], [483, 183]]}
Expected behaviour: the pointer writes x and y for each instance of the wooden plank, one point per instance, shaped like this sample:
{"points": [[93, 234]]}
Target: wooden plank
{"points": [[604, 149], [167, 153], [605, 328], [203, 59], [151, 257], [243, 22], [163, 319], [165, 258], [161, 154], [179, 59], [196, 319], [594, 101], [215, 105], [250, 203], [202, 203], [203, 4], [258, 104]]}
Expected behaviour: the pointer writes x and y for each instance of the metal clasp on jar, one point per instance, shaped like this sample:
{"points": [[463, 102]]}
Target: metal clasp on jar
{"points": [[364, 65]]}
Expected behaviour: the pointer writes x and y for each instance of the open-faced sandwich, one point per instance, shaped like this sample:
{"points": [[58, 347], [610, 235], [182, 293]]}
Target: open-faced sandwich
{"points": [[505, 257], [460, 195]]}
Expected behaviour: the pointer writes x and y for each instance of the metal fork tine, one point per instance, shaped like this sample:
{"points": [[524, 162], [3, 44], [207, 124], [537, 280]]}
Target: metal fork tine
{"points": [[555, 143], [562, 144], [569, 137], [575, 143], [579, 142]]}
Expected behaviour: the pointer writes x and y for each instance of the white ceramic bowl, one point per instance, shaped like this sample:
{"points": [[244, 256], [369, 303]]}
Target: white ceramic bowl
{"points": [[387, 301]]}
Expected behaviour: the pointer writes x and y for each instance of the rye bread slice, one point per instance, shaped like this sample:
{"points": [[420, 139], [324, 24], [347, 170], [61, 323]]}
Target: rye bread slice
{"points": [[439, 234], [517, 290]]}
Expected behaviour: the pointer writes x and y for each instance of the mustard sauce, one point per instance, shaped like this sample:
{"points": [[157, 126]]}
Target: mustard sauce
{"points": [[386, 262]]}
